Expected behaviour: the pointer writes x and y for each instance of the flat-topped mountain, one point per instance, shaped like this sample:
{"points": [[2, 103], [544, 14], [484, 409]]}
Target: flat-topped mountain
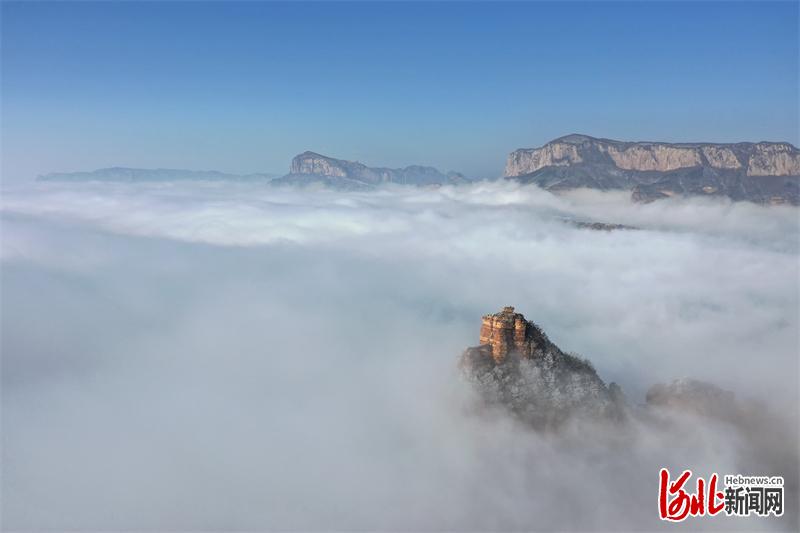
{"points": [[310, 167], [763, 172], [150, 174]]}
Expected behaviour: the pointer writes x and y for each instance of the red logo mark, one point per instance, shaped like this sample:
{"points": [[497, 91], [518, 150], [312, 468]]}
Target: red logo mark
{"points": [[683, 504]]}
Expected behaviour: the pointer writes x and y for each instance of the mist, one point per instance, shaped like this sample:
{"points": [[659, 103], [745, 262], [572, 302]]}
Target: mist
{"points": [[205, 356]]}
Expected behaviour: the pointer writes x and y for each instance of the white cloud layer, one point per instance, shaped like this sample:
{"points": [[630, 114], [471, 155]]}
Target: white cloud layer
{"points": [[230, 356]]}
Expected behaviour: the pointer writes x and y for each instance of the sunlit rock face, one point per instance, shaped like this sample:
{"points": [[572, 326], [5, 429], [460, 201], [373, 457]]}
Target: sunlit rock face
{"points": [[554, 154], [311, 163], [767, 173], [517, 367], [771, 159], [312, 168], [720, 156], [507, 332]]}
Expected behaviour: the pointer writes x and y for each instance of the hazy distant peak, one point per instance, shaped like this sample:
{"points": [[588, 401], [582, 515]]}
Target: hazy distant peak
{"points": [[309, 153], [149, 174]]}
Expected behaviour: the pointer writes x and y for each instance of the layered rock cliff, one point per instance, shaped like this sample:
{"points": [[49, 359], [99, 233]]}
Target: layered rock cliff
{"points": [[517, 367], [310, 167], [760, 172]]}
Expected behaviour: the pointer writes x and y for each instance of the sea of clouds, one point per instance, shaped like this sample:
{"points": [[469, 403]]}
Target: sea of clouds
{"points": [[206, 356]]}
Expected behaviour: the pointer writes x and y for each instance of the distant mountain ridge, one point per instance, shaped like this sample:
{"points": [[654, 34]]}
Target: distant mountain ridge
{"points": [[310, 168], [150, 174], [763, 172]]}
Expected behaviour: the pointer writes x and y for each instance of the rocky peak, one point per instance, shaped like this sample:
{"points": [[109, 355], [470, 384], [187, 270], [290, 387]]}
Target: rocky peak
{"points": [[517, 367], [314, 163], [311, 167], [506, 332]]}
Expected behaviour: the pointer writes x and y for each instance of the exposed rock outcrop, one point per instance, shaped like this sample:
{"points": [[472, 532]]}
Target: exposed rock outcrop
{"points": [[764, 172], [517, 367], [309, 168]]}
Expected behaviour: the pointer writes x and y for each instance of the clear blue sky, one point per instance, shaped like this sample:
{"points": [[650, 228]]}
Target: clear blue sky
{"points": [[242, 87]]}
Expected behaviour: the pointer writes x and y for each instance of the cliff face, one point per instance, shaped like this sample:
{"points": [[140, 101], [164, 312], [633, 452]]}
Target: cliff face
{"points": [[310, 167], [517, 367], [508, 332], [759, 172]]}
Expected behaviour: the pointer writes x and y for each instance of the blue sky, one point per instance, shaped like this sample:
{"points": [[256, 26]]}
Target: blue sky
{"points": [[244, 86]]}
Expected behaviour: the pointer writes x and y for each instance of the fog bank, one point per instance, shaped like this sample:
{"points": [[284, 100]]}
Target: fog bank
{"points": [[230, 356]]}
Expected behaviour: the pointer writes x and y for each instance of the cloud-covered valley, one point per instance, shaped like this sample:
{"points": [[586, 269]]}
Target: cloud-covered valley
{"points": [[233, 356]]}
